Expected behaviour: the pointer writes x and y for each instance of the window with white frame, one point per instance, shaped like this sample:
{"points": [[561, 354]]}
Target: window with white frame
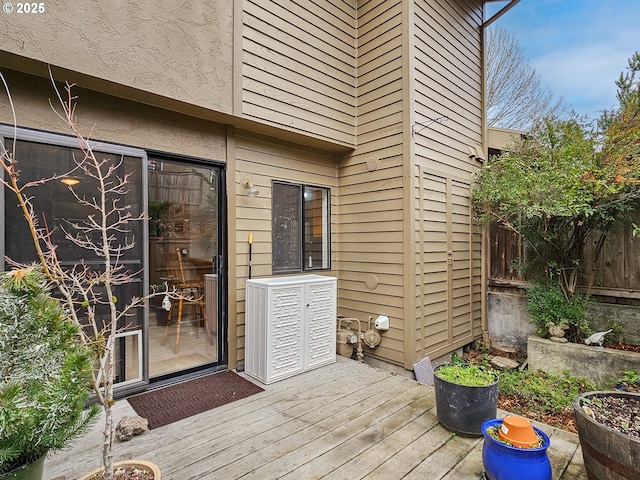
{"points": [[300, 228]]}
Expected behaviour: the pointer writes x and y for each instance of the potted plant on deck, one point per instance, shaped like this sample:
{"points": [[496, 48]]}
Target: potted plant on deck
{"points": [[45, 377], [609, 430], [466, 396], [514, 449]]}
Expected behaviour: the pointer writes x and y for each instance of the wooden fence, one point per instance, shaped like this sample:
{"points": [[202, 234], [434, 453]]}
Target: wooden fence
{"points": [[616, 274]]}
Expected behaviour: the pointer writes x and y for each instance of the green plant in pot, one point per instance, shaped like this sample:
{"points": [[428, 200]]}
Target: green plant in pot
{"points": [[46, 375], [466, 396]]}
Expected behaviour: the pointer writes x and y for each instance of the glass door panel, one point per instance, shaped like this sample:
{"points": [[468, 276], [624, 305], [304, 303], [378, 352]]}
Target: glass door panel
{"points": [[183, 248], [60, 209]]}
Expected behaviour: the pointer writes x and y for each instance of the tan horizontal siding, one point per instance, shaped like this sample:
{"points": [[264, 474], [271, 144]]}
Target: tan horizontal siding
{"points": [[376, 16], [382, 104], [297, 45], [377, 123], [355, 280], [352, 298], [254, 107], [354, 283], [260, 161], [299, 67], [260, 83], [448, 84], [332, 83], [385, 75], [372, 183]]}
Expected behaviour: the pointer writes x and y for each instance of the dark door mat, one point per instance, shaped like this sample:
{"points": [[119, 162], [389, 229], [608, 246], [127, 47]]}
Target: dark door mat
{"points": [[182, 400]]}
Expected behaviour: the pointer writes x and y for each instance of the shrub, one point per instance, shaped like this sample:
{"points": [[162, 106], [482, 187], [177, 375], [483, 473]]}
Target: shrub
{"points": [[549, 304], [45, 372], [543, 392]]}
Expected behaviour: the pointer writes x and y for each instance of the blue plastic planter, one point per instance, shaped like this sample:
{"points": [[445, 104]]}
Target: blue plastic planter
{"points": [[504, 462]]}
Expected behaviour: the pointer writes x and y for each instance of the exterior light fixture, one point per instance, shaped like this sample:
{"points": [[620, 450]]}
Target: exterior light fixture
{"points": [[251, 190], [70, 181], [475, 153]]}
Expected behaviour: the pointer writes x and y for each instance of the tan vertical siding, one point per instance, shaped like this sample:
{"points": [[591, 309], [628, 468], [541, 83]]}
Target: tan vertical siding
{"points": [[448, 86], [260, 161], [299, 66], [371, 237]]}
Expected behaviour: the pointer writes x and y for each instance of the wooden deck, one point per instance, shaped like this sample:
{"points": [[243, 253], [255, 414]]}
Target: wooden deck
{"points": [[343, 421]]}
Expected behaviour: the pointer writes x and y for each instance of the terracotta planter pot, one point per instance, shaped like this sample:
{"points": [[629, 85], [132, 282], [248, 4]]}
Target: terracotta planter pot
{"points": [[608, 454], [134, 462]]}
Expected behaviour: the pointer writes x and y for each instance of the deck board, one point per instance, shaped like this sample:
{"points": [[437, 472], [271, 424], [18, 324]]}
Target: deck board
{"points": [[342, 421]]}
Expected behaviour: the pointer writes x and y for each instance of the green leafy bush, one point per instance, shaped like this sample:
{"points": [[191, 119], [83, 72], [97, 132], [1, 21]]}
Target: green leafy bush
{"points": [[542, 392], [547, 303], [45, 372]]}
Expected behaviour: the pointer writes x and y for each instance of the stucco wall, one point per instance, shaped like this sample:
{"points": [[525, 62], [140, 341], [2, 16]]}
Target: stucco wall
{"points": [[113, 119], [182, 50]]}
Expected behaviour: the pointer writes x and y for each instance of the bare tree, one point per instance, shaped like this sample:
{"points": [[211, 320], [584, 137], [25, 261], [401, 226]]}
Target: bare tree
{"points": [[105, 233], [515, 96]]}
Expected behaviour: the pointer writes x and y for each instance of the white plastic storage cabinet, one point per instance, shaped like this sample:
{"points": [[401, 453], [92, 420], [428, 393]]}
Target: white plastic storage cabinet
{"points": [[290, 325]]}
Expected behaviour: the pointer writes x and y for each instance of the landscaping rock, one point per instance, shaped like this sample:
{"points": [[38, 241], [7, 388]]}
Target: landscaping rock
{"points": [[504, 362], [127, 427]]}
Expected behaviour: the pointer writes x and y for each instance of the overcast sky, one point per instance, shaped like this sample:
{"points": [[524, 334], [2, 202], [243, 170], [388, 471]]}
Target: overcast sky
{"points": [[578, 47]]}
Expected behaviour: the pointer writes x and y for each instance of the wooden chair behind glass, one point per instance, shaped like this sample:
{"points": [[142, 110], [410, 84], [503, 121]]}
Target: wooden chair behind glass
{"points": [[191, 295]]}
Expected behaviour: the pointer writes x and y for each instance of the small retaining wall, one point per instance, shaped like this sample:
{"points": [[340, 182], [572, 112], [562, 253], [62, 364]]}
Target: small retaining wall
{"points": [[509, 326], [601, 366], [508, 320]]}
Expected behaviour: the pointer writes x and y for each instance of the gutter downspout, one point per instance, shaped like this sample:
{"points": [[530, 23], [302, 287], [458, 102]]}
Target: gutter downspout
{"points": [[484, 247], [500, 12]]}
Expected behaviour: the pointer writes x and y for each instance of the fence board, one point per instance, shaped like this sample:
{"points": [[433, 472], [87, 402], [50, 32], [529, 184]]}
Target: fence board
{"points": [[617, 271]]}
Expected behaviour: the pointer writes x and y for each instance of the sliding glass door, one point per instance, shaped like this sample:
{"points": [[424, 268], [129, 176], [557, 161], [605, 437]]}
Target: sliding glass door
{"points": [[181, 252], [185, 328], [56, 206]]}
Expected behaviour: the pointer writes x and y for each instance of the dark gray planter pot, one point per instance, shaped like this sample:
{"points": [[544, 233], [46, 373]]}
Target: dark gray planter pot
{"points": [[463, 409]]}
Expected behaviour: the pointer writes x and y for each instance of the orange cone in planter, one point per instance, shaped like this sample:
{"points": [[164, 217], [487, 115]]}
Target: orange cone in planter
{"points": [[518, 432]]}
